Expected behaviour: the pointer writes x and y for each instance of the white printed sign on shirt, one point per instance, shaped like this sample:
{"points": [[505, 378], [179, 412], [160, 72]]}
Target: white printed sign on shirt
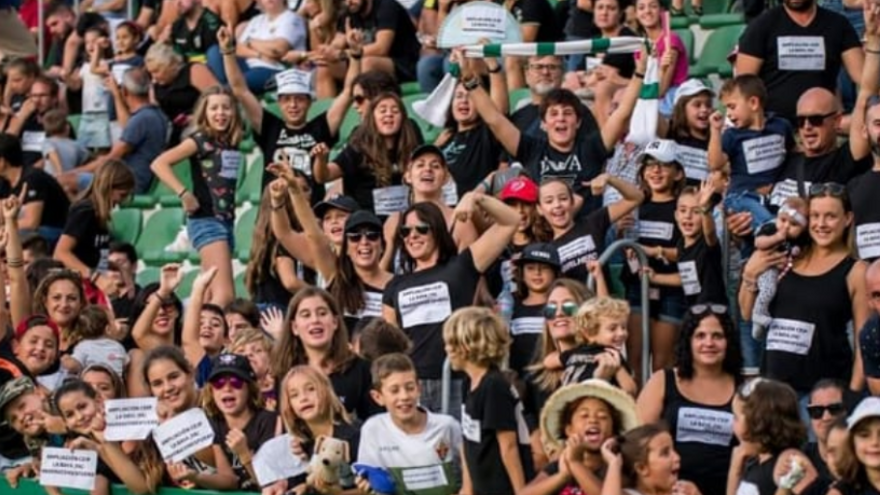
{"points": [[792, 336], [707, 426], [868, 240], [803, 53], [690, 279], [764, 153], [424, 304]]}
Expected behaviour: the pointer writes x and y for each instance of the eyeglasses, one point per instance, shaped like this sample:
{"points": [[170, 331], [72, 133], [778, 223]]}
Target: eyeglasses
{"points": [[827, 189], [359, 99], [813, 120], [817, 411], [371, 235], [568, 309], [701, 309], [234, 381], [39, 95], [547, 67], [422, 229]]}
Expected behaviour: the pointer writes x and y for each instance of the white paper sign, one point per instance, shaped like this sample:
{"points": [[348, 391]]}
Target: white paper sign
{"points": [[656, 230], [694, 160], [388, 200], [764, 153], [470, 427], [424, 478], [130, 419], [450, 193], [527, 325], [275, 461], [690, 279], [184, 435], [483, 21], [785, 189], [868, 240], [119, 71], [704, 426], [801, 52], [425, 304], [230, 163], [65, 468], [33, 141], [791, 336]]}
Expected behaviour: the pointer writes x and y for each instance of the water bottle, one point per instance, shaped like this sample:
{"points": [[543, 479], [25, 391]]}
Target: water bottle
{"points": [[501, 178], [504, 302]]}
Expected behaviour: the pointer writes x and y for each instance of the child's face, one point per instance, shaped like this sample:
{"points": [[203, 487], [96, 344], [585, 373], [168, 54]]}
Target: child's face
{"points": [[18, 83], [79, 412], [663, 463], [697, 110], [555, 204], [538, 277], [660, 177], [258, 357], [101, 382], [592, 420], [230, 394], [171, 385], [236, 323], [687, 216], [836, 445], [25, 414], [314, 323], [399, 395], [305, 401], [561, 123], [455, 355], [866, 440], [526, 214], [789, 226], [333, 224], [37, 349], [739, 420], [740, 110], [612, 332], [125, 40], [211, 331], [91, 41], [219, 112]]}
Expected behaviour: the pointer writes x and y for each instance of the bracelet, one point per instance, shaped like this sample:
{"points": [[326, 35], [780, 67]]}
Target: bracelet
{"points": [[355, 56], [15, 263], [230, 51], [639, 75], [496, 70], [93, 275], [276, 208], [471, 84], [181, 193], [875, 52]]}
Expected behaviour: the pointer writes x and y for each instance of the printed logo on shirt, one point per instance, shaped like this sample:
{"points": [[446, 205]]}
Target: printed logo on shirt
{"points": [[747, 488], [764, 153], [868, 240], [470, 427], [567, 169], [33, 141], [803, 53], [527, 325], [577, 252], [425, 304], [296, 158], [690, 279], [230, 163], [792, 336], [656, 230], [704, 426]]}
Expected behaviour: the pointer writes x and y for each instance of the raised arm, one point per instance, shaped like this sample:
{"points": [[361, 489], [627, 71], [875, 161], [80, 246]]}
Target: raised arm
{"points": [[336, 112], [192, 349], [317, 252], [859, 145], [169, 279], [252, 106], [616, 126], [19, 290], [632, 195], [486, 249], [716, 158]]}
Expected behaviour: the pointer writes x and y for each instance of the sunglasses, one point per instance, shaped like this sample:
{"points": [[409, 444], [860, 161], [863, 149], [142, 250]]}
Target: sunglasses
{"points": [[813, 120], [827, 189], [359, 99], [701, 309], [568, 309], [371, 235], [817, 411], [422, 229], [220, 383]]}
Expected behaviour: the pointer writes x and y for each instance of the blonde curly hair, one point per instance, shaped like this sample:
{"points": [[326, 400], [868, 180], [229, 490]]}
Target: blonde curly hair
{"points": [[588, 315], [480, 335]]}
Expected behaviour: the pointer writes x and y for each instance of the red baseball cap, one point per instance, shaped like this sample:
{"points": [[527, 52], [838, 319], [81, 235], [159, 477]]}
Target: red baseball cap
{"points": [[521, 189]]}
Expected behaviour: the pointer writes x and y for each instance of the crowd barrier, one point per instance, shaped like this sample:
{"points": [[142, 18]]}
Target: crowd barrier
{"points": [[32, 487]]}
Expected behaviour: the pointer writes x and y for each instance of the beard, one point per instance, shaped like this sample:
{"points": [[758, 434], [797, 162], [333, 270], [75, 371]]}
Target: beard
{"points": [[875, 145], [543, 89]]}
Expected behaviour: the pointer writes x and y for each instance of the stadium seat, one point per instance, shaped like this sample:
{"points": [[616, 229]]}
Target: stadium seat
{"points": [[351, 120], [715, 21], [125, 224], [186, 284], [429, 132], [244, 232], [159, 232], [410, 88], [680, 22], [517, 98], [240, 288], [167, 197], [713, 58], [250, 183], [319, 106], [148, 275], [687, 38]]}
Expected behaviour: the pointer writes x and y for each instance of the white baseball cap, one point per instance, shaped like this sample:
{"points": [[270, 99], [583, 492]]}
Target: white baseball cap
{"points": [[691, 87], [663, 150], [869, 407], [294, 82]]}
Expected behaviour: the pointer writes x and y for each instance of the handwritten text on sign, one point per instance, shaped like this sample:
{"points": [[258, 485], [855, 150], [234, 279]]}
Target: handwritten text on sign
{"points": [[130, 419], [184, 435], [65, 468]]}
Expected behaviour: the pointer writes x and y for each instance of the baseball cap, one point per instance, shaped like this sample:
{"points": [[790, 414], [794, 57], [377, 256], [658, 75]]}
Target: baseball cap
{"points": [[520, 188], [14, 389], [362, 218], [662, 150], [294, 82], [426, 149], [340, 202], [232, 364], [540, 252], [869, 407], [691, 87], [34, 321]]}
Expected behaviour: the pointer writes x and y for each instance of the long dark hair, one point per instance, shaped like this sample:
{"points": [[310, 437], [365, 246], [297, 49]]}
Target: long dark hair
{"points": [[367, 141], [347, 287], [265, 245], [443, 240], [140, 304], [733, 361]]}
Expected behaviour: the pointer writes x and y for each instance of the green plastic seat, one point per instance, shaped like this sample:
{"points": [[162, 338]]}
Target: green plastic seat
{"points": [[713, 58], [518, 98], [319, 106], [410, 88], [687, 38], [148, 275], [240, 287], [244, 232], [351, 120], [73, 120], [185, 288], [680, 22], [164, 194], [250, 183], [429, 132], [159, 232], [125, 224], [715, 21]]}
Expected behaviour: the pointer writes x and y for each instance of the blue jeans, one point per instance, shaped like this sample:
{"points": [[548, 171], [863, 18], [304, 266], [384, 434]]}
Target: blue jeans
{"points": [[749, 202], [575, 62], [255, 77], [204, 231], [430, 71]]}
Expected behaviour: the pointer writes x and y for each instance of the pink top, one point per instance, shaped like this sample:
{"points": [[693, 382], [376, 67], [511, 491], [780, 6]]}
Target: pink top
{"points": [[681, 65]]}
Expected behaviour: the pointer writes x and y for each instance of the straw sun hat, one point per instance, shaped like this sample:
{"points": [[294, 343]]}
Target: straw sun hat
{"points": [[552, 429]]}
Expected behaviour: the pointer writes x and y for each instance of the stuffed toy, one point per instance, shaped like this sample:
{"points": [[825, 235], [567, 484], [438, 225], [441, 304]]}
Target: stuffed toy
{"points": [[330, 454]]}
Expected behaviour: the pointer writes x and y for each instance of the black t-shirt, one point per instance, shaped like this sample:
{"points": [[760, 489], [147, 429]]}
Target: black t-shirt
{"points": [[215, 170], [584, 242], [358, 179], [423, 300], [657, 227], [92, 240], [625, 63], [863, 193], [580, 22], [492, 407], [797, 58], [541, 13], [471, 155], [388, 15], [352, 385], [12, 444], [581, 362], [196, 41], [798, 170], [41, 187], [584, 162], [692, 154], [277, 141], [701, 270], [526, 326], [259, 430]]}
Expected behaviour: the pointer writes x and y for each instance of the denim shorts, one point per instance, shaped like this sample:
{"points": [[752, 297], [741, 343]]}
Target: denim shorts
{"points": [[204, 231], [668, 309], [94, 130]]}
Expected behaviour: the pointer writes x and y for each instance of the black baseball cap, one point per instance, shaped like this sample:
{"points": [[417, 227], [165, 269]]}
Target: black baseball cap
{"points": [[344, 203], [426, 149], [362, 218], [232, 364], [540, 252]]}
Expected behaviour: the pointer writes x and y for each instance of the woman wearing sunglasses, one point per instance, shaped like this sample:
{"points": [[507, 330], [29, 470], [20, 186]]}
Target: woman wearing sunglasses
{"points": [[698, 392], [353, 274], [815, 301], [827, 406], [438, 280]]}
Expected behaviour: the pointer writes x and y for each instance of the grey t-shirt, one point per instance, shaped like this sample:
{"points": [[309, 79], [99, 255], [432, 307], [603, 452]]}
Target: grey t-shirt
{"points": [[101, 351], [70, 153], [147, 134]]}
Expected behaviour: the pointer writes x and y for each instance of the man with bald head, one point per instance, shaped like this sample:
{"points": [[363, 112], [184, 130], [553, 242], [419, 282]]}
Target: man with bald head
{"points": [[869, 337], [821, 159]]}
